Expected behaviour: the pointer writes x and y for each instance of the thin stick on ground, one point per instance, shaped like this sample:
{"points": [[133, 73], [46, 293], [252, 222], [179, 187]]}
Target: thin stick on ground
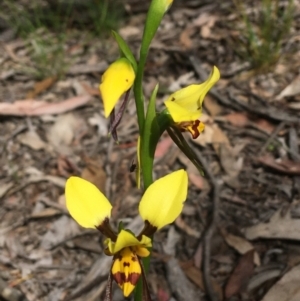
{"points": [[212, 294]]}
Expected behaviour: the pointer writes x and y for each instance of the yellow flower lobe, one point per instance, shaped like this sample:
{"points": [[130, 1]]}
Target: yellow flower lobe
{"points": [[116, 80], [86, 203], [186, 104], [126, 270], [163, 201]]}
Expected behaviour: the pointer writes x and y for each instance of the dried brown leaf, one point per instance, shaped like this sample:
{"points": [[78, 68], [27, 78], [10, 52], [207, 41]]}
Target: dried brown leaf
{"points": [[41, 86], [129, 31], [195, 275], [63, 132], [185, 37], [291, 90], [287, 288], [240, 244], [295, 105], [196, 180], [95, 174], [241, 275], [34, 107], [47, 212], [186, 228], [60, 230], [90, 90], [230, 164], [32, 140], [179, 283], [279, 227], [206, 28], [265, 125], [219, 138], [163, 295], [285, 166], [212, 106], [237, 119], [163, 147], [85, 68], [4, 188]]}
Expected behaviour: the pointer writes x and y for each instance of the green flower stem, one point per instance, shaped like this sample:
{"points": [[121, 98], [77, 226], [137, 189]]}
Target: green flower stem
{"points": [[155, 14], [146, 172], [139, 96], [139, 102]]}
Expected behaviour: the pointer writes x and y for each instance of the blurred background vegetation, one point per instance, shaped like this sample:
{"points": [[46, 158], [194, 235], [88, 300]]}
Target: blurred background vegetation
{"points": [[47, 26], [94, 16], [263, 28]]}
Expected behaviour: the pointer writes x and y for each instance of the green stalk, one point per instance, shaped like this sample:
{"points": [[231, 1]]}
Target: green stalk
{"points": [[139, 102], [155, 14], [147, 173], [138, 93]]}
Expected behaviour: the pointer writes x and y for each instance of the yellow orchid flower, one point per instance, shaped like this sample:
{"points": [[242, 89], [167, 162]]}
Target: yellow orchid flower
{"points": [[115, 81], [160, 205], [185, 105]]}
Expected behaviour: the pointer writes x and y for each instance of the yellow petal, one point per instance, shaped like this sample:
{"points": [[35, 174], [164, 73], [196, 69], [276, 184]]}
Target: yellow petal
{"points": [[163, 200], [141, 251], [126, 239], [180, 113], [86, 204], [186, 104], [126, 270], [116, 80]]}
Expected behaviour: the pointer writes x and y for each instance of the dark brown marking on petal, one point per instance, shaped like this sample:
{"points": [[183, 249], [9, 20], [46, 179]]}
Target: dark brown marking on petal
{"points": [[133, 278], [106, 229], [173, 98], [117, 256], [120, 278], [133, 258], [148, 230], [126, 264], [127, 80], [195, 133]]}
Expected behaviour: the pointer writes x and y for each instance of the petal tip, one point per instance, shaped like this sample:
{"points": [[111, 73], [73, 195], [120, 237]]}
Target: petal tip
{"points": [[86, 203]]}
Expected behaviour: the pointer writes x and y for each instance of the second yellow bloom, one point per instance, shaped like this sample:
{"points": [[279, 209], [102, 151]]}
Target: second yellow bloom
{"points": [[185, 105]]}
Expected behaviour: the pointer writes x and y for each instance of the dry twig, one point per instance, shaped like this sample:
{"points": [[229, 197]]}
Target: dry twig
{"points": [[213, 296]]}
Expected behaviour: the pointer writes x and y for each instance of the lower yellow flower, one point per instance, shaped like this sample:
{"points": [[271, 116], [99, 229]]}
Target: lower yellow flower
{"points": [[185, 105], [126, 270], [160, 205], [126, 267]]}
